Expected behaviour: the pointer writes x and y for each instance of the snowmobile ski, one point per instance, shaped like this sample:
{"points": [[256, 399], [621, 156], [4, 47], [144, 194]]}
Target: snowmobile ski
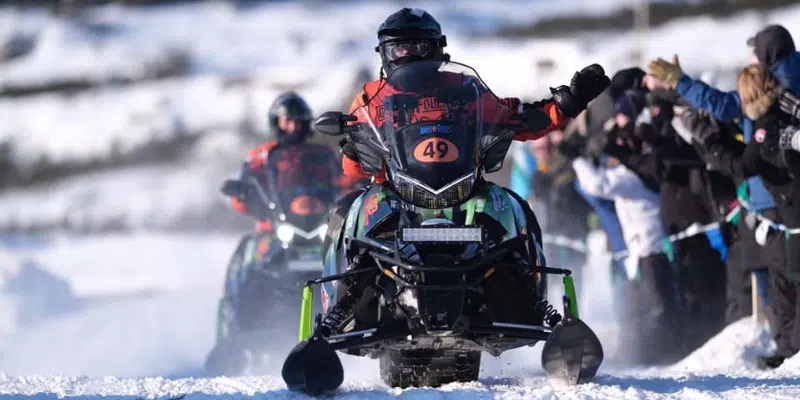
{"points": [[573, 353], [313, 368]]}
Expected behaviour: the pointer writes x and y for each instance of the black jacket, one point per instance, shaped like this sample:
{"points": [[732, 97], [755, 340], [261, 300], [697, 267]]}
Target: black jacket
{"points": [[689, 193]]}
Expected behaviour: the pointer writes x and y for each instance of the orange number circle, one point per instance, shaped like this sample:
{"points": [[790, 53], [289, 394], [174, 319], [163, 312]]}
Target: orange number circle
{"points": [[436, 150], [307, 205]]}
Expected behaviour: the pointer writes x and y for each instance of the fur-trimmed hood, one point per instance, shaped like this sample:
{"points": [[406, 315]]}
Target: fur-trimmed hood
{"points": [[759, 107]]}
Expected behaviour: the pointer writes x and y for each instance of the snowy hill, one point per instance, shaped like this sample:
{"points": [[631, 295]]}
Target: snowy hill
{"points": [[240, 60]]}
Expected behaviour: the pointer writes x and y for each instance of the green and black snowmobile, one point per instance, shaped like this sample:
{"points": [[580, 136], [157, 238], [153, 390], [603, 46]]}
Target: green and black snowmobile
{"points": [[437, 265], [269, 266]]}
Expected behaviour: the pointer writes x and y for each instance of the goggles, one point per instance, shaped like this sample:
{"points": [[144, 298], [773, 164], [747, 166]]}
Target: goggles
{"points": [[393, 51]]}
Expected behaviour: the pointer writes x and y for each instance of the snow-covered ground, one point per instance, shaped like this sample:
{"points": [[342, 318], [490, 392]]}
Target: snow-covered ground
{"points": [[137, 320], [129, 316]]}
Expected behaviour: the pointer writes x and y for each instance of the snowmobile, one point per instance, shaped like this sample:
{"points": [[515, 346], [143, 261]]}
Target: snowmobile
{"points": [[435, 266], [268, 267]]}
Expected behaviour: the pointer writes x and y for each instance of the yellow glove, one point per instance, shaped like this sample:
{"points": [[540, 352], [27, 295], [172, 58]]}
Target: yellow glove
{"points": [[669, 73]]}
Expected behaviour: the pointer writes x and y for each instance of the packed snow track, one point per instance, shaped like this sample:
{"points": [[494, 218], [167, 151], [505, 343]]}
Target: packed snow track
{"points": [[695, 387], [132, 324]]}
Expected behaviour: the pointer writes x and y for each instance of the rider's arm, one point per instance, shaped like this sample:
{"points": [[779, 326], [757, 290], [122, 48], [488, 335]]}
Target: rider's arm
{"points": [[540, 118], [567, 102], [256, 159], [351, 166], [237, 204]]}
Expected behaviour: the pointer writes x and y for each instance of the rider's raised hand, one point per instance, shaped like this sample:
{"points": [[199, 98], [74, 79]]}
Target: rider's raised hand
{"points": [[589, 82], [585, 85]]}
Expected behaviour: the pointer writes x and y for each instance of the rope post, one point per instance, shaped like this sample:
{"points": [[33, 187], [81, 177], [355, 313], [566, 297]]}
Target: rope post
{"points": [[758, 314]]}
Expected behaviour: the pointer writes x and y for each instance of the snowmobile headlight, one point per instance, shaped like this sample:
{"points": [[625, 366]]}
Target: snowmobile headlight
{"points": [[285, 233], [448, 235], [419, 194]]}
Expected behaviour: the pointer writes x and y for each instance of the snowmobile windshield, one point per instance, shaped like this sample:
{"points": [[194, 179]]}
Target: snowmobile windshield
{"points": [[301, 184], [431, 122]]}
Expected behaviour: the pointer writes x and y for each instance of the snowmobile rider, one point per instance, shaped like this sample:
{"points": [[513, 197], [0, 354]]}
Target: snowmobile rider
{"points": [[411, 35], [289, 125]]}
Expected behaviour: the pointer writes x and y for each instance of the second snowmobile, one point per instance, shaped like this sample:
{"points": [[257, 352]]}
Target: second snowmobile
{"points": [[294, 192]]}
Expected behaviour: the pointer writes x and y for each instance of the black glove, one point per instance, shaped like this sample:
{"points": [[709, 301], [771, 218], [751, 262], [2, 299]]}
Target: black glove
{"points": [[585, 85], [790, 104], [787, 137], [349, 149], [704, 128], [235, 188], [770, 128]]}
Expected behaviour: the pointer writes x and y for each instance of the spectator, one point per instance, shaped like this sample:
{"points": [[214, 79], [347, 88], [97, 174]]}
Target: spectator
{"points": [[651, 308], [774, 48], [557, 204], [758, 91], [671, 166]]}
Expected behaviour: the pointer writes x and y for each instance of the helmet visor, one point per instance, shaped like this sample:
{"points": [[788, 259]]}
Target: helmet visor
{"points": [[394, 51]]}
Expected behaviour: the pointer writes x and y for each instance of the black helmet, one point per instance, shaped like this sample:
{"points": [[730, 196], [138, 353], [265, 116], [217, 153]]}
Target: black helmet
{"points": [[410, 34], [291, 106]]}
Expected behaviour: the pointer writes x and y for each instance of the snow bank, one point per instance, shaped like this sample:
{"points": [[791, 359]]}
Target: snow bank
{"points": [[732, 351], [30, 293], [114, 305]]}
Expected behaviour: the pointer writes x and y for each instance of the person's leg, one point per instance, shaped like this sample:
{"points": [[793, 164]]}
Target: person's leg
{"points": [[703, 289], [782, 290], [782, 299], [737, 286], [656, 312]]}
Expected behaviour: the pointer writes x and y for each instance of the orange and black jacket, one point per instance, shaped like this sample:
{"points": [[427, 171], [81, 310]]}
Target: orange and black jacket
{"points": [[256, 159], [541, 118]]}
